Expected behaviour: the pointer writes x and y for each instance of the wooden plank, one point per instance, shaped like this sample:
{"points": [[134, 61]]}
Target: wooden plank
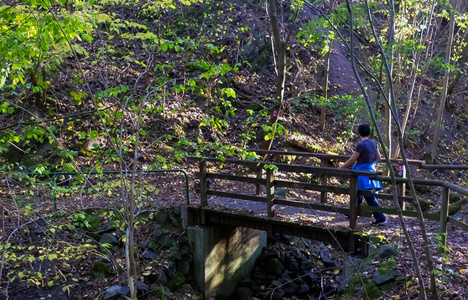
{"points": [[236, 178], [236, 196], [414, 162], [303, 204], [445, 167], [303, 154], [415, 181], [394, 211], [390, 197], [458, 223], [353, 202], [456, 188], [258, 187], [311, 187], [329, 156], [296, 168]]}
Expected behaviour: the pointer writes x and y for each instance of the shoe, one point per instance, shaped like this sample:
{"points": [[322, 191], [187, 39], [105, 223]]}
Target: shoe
{"points": [[379, 223]]}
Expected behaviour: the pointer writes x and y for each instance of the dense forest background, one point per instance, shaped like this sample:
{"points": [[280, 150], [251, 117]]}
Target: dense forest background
{"points": [[127, 85]]}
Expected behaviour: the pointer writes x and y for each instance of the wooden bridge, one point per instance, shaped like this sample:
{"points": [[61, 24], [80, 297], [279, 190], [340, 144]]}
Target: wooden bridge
{"points": [[264, 179]]}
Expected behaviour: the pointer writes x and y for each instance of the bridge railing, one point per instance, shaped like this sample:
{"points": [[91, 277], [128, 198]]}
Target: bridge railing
{"points": [[265, 176]]}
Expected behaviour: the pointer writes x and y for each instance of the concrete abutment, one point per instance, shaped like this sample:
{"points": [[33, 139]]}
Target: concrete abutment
{"points": [[224, 255]]}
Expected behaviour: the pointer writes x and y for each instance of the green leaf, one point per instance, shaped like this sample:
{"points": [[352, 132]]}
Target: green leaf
{"points": [[93, 134]]}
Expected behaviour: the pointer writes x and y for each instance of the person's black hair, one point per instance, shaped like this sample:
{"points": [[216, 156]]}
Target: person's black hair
{"points": [[364, 130]]}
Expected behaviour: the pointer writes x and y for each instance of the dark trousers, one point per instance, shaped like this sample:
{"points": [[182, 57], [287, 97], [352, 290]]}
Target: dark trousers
{"points": [[372, 201]]}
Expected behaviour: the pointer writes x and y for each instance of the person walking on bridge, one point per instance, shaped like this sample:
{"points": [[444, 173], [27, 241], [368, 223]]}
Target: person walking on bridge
{"points": [[363, 159]]}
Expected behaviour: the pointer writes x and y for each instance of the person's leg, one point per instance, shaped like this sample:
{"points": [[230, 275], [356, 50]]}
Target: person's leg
{"points": [[372, 201]]}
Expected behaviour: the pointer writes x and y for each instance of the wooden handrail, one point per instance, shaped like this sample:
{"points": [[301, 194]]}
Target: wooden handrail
{"points": [[270, 182]]}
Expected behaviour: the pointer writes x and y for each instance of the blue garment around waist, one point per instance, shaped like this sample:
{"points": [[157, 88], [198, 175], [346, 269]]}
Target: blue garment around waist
{"points": [[364, 183]]}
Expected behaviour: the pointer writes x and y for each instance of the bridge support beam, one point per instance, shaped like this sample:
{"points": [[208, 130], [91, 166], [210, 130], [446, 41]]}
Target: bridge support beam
{"points": [[223, 255]]}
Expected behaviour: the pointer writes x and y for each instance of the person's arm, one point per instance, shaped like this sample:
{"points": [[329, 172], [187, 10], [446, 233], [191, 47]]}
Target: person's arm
{"points": [[350, 162], [377, 156]]}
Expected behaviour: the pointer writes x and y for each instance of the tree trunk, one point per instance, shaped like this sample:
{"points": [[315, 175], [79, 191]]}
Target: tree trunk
{"points": [[323, 112], [443, 95], [280, 47]]}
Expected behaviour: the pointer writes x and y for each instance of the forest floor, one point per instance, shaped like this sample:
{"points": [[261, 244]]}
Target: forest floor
{"points": [[452, 278]]}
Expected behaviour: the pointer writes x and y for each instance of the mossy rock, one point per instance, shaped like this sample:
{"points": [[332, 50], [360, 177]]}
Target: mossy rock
{"points": [[162, 292], [101, 269], [177, 280]]}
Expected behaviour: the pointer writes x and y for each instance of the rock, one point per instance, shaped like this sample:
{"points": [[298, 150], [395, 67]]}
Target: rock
{"points": [[258, 276], [454, 197], [176, 222], [276, 294], [243, 293], [160, 217], [107, 227], [298, 255], [149, 254], [142, 288], [175, 253], [184, 267], [387, 251], [306, 265], [246, 283], [185, 249], [312, 278], [350, 265], [382, 279], [290, 290], [292, 266], [157, 232], [274, 266], [114, 292], [167, 241], [171, 270], [303, 289], [327, 259], [454, 207], [108, 238], [281, 193], [177, 280], [100, 269]]}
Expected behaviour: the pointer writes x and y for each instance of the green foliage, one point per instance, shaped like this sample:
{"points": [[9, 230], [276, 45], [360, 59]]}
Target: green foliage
{"points": [[35, 38], [317, 35]]}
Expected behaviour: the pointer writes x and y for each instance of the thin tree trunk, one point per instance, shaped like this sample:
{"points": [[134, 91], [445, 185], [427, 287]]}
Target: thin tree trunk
{"points": [[420, 216], [323, 112], [280, 47], [443, 95], [385, 152]]}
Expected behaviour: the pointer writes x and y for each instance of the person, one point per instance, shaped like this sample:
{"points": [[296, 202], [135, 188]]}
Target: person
{"points": [[363, 159]]}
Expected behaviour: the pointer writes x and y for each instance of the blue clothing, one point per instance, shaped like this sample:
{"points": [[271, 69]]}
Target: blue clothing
{"points": [[367, 150], [364, 183]]}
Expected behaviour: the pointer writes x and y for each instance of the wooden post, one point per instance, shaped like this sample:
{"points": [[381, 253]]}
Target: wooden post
{"points": [[323, 180], [270, 190], [203, 184], [353, 210], [353, 202], [444, 210], [401, 187], [259, 187]]}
